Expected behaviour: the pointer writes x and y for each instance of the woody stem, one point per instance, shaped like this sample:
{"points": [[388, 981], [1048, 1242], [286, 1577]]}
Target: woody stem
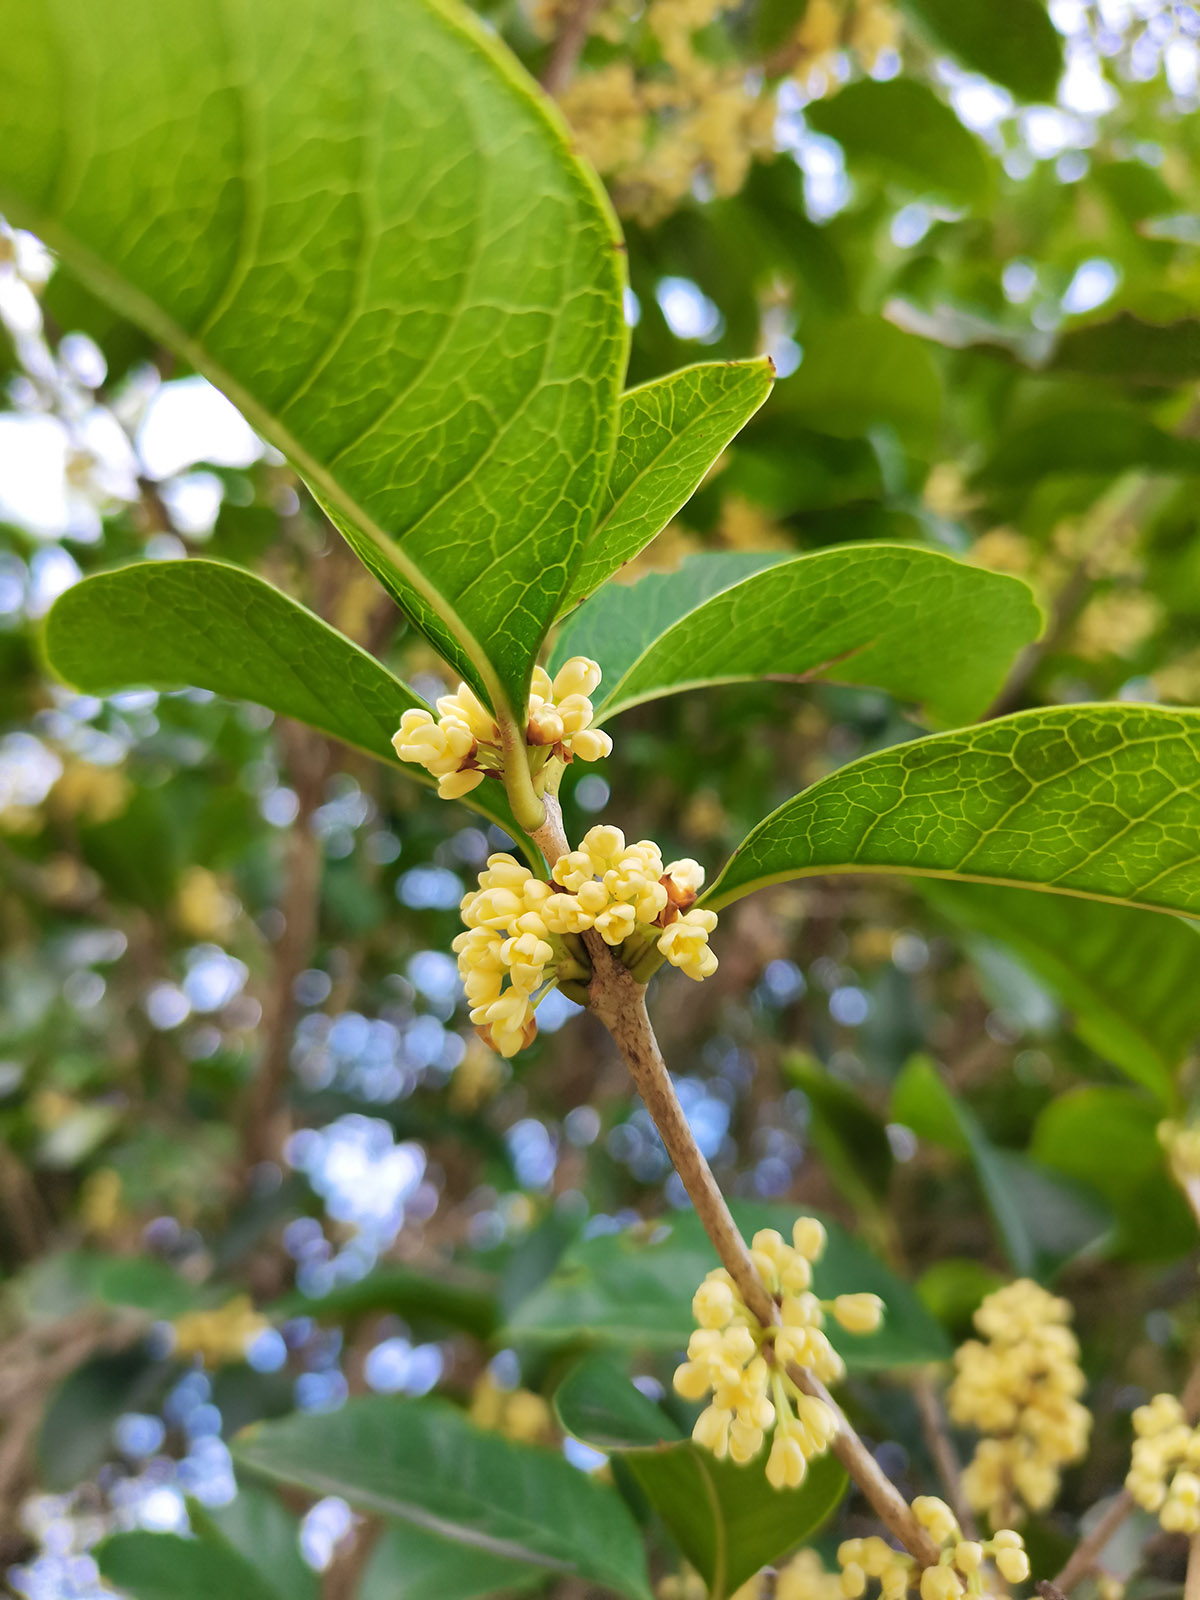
{"points": [[619, 1001]]}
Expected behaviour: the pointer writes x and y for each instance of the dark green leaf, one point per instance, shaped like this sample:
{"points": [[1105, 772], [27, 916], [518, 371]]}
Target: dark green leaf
{"points": [[634, 1290], [163, 1566], [422, 1461], [915, 622], [76, 1435], [421, 1296], [205, 625], [1127, 977], [1014, 43], [410, 1563], [368, 231], [900, 129], [1127, 348], [1101, 801], [1103, 440], [1107, 1138], [850, 1139], [727, 1519], [863, 373], [671, 433]]}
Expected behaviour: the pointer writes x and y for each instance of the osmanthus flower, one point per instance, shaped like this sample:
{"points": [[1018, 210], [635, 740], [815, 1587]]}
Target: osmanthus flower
{"points": [[1164, 1476], [1019, 1385], [960, 1569], [519, 928], [462, 746], [743, 1365]]}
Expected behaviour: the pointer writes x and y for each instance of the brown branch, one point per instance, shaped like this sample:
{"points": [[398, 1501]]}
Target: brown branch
{"points": [[940, 1445], [1086, 1553], [306, 756], [568, 45], [1191, 1584], [619, 1001]]}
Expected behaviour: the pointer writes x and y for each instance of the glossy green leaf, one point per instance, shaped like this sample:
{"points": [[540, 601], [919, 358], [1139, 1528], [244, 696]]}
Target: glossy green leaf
{"points": [[1127, 978], [1101, 801], [901, 130], [634, 1290], [163, 1566], [1014, 43], [671, 433], [863, 373], [727, 1519], [365, 227], [1040, 1222], [205, 625], [1107, 1138], [917, 623], [1125, 347], [410, 1563], [259, 1528], [424, 1462]]}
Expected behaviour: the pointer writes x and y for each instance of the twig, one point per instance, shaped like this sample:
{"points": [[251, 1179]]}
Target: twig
{"points": [[568, 46], [941, 1448], [619, 1001], [1085, 1554], [1191, 1584]]}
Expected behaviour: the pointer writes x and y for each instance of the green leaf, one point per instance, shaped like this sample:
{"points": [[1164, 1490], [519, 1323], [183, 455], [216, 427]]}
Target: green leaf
{"points": [[163, 1566], [861, 373], [410, 1563], [727, 1520], [1107, 1138], [1040, 1223], [1014, 44], [1101, 801], [850, 1139], [423, 1462], [671, 433], [901, 130], [915, 622], [261, 1530], [1125, 347], [76, 1435], [1128, 978], [1105, 440], [634, 1290], [365, 226], [421, 1296], [206, 625]]}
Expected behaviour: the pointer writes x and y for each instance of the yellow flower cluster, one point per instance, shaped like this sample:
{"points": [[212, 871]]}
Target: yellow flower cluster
{"points": [[219, 1337], [1020, 1386], [1165, 1473], [744, 1366], [516, 1413], [1181, 1142], [461, 747], [957, 1570], [605, 885]]}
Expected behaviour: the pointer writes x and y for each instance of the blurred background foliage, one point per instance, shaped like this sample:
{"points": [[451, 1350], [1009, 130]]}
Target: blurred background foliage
{"points": [[253, 1159]]}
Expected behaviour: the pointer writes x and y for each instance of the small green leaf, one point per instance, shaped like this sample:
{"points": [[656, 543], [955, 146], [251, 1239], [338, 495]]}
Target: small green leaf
{"points": [[633, 1290], [442, 1299], [163, 1566], [365, 226], [1014, 44], [1107, 1138], [862, 373], [410, 1563], [900, 129], [1041, 1222], [422, 1461], [1128, 978], [206, 625], [1127, 348], [260, 1529], [671, 433], [1101, 801], [953, 1290], [915, 622], [727, 1519]]}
